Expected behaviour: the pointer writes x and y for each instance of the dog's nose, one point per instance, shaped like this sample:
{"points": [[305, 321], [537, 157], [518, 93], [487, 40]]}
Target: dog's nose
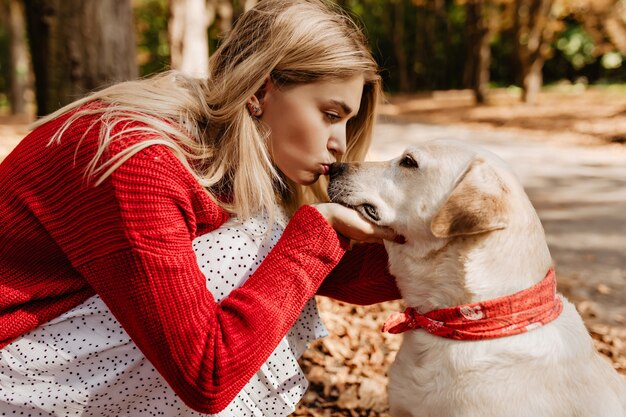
{"points": [[336, 169]]}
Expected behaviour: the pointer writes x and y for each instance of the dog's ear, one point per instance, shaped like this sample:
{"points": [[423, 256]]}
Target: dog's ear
{"points": [[476, 205]]}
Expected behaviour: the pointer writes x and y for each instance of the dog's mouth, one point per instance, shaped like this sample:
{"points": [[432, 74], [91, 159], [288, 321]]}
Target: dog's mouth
{"points": [[340, 193]]}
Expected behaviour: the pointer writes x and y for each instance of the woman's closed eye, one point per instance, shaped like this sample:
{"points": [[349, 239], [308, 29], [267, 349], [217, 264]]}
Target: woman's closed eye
{"points": [[332, 117]]}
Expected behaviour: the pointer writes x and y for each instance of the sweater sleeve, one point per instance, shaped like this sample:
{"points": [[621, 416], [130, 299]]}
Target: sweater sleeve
{"points": [[149, 278], [362, 277]]}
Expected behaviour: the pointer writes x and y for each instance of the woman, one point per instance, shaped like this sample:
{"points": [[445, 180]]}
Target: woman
{"points": [[106, 196]]}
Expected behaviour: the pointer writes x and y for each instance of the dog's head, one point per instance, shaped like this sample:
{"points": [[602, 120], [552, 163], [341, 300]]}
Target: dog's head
{"points": [[465, 216], [440, 189]]}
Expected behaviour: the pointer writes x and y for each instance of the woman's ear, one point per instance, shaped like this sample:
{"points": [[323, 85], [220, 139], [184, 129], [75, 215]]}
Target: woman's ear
{"points": [[255, 103], [254, 106], [268, 85]]}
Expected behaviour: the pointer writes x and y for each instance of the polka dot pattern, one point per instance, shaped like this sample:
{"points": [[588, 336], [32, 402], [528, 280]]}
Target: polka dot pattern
{"points": [[84, 364]]}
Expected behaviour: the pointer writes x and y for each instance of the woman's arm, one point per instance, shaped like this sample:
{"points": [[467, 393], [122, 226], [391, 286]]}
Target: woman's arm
{"points": [[131, 239], [361, 277]]}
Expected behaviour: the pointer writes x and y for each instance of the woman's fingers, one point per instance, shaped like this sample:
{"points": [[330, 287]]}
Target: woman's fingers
{"points": [[354, 226]]}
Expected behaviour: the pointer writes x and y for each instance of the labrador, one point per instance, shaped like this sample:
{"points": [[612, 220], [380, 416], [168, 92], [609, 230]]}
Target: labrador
{"points": [[485, 333]]}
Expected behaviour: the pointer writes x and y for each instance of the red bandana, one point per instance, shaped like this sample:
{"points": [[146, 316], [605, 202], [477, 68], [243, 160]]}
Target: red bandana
{"points": [[504, 316]]}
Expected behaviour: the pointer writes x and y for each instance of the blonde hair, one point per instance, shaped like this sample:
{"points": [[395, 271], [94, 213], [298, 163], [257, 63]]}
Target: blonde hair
{"points": [[206, 122]]}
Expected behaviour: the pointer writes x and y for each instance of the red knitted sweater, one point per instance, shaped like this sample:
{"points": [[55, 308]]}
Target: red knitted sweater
{"points": [[63, 240]]}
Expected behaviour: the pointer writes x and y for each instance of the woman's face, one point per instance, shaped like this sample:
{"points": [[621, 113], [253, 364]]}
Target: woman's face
{"points": [[307, 125]]}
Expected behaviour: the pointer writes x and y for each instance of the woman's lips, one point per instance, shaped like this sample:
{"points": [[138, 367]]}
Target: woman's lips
{"points": [[326, 169]]}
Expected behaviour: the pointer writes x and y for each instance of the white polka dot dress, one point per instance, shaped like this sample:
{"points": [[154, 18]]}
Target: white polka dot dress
{"points": [[84, 364]]}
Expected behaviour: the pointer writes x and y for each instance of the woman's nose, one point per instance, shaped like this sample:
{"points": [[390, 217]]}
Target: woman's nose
{"points": [[337, 142]]}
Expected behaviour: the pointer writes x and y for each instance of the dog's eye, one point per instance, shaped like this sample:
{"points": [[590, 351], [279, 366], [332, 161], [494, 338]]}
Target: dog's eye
{"points": [[408, 162], [370, 211]]}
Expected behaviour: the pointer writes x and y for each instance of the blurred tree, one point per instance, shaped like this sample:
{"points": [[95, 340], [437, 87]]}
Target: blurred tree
{"points": [[614, 18], [400, 44], [418, 43], [5, 66], [197, 25], [534, 30], [576, 45], [441, 44], [153, 48], [240, 6], [17, 71], [601, 27], [421, 45], [78, 46], [226, 10], [478, 35], [188, 26], [590, 45]]}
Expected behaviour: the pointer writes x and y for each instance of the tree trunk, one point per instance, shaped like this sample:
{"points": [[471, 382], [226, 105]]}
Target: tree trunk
{"points": [[532, 36], [78, 46], [248, 4], [481, 86], [227, 14], [478, 61], [423, 59], [533, 80], [188, 32], [19, 65], [615, 26], [399, 43]]}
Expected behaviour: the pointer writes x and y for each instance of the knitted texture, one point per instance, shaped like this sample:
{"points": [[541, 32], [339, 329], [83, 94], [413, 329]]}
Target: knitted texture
{"points": [[62, 240]]}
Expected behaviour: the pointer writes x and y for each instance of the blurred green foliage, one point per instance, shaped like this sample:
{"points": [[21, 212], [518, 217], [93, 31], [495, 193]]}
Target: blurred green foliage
{"points": [[432, 41], [153, 52], [576, 46], [419, 44], [425, 44], [575, 59]]}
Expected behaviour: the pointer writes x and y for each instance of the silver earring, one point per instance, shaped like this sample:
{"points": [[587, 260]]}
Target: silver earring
{"points": [[254, 109]]}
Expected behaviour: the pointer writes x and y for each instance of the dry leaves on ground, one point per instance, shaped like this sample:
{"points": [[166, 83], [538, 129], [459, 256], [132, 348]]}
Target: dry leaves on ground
{"points": [[348, 369]]}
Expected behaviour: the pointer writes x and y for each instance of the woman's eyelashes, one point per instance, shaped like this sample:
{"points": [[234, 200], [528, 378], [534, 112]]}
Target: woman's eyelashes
{"points": [[332, 117]]}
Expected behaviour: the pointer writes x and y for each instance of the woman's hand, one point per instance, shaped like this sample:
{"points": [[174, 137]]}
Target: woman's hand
{"points": [[351, 224]]}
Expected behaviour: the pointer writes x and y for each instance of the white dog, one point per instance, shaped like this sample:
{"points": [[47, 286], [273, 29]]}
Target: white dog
{"points": [[486, 333]]}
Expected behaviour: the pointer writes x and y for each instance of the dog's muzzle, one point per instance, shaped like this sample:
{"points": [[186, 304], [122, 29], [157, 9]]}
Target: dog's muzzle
{"points": [[335, 170]]}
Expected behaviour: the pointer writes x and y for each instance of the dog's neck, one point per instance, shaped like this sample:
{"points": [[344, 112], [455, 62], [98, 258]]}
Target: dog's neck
{"points": [[469, 269]]}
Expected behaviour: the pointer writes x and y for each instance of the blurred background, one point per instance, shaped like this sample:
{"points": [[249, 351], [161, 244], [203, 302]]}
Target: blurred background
{"points": [[54, 51], [540, 82]]}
